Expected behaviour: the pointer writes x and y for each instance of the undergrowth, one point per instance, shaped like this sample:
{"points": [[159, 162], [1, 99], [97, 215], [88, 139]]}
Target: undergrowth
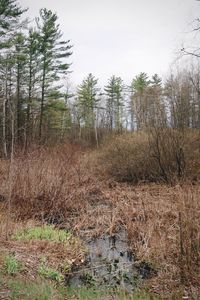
{"points": [[50, 273], [20, 289], [11, 265], [46, 232], [31, 290], [48, 184], [77, 191], [157, 155]]}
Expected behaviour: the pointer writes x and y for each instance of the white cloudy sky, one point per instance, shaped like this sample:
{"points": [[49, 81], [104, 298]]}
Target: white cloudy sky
{"points": [[121, 37]]}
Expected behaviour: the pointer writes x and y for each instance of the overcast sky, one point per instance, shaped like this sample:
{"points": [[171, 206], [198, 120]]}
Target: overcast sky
{"points": [[121, 37]]}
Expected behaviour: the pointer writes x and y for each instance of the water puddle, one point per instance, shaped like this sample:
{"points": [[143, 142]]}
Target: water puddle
{"points": [[109, 262]]}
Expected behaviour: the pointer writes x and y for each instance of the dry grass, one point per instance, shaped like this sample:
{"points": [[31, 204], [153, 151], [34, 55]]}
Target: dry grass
{"points": [[61, 185], [49, 184], [159, 155], [163, 226]]}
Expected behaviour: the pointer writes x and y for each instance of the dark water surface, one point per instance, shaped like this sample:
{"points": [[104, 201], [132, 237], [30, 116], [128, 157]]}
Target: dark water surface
{"points": [[110, 262]]}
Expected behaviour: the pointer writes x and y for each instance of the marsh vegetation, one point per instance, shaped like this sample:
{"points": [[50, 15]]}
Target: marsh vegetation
{"points": [[99, 185]]}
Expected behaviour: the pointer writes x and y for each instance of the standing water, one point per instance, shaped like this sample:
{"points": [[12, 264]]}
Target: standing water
{"points": [[109, 262]]}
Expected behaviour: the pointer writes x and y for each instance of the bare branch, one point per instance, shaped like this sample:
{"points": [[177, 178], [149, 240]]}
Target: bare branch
{"points": [[185, 52]]}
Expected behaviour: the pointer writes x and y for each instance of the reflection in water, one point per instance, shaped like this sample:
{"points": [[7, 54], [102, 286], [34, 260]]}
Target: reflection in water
{"points": [[109, 262]]}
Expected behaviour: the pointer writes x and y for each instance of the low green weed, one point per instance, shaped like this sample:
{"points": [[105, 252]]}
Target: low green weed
{"points": [[28, 290], [93, 293], [50, 273], [11, 265], [47, 232]]}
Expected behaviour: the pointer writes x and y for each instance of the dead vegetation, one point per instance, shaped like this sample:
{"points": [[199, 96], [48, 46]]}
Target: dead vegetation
{"points": [[157, 155], [29, 260], [163, 225], [49, 184], [60, 185]]}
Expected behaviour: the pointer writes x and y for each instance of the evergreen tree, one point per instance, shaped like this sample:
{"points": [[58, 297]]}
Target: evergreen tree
{"points": [[20, 74], [88, 104], [10, 13], [6, 94], [155, 105], [88, 100], [33, 78], [53, 52], [139, 99], [140, 82], [156, 80], [114, 102]]}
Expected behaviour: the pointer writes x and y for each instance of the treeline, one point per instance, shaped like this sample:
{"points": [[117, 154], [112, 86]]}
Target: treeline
{"points": [[36, 105], [32, 63]]}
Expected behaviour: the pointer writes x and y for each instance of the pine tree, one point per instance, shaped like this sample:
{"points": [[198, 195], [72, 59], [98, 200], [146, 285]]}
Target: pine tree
{"points": [[33, 78], [53, 52], [139, 99], [20, 74], [155, 104], [88, 100], [114, 103], [88, 103], [7, 91], [10, 13]]}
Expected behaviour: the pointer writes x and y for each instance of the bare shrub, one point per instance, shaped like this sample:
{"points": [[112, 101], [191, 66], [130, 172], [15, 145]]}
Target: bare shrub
{"points": [[159, 155], [126, 157], [167, 149], [50, 184]]}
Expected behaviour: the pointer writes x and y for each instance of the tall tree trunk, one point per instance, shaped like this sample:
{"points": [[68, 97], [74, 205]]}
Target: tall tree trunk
{"points": [[95, 130], [18, 121], [11, 171], [42, 99], [28, 111], [4, 129], [4, 115]]}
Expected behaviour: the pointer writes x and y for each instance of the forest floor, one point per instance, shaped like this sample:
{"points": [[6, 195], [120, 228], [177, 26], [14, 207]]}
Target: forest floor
{"points": [[54, 225]]}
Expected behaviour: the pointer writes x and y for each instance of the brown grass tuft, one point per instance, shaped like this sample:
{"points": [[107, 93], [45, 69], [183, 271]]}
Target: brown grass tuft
{"points": [[50, 184]]}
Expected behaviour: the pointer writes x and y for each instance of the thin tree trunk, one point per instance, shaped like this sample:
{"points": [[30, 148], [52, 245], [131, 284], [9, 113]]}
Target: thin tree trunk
{"points": [[96, 132], [28, 126], [4, 129], [11, 173], [42, 100], [4, 117], [18, 127]]}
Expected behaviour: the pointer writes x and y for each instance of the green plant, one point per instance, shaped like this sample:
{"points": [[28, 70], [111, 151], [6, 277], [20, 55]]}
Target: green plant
{"points": [[11, 265], [27, 290], [47, 232], [50, 273], [83, 293], [94, 293]]}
